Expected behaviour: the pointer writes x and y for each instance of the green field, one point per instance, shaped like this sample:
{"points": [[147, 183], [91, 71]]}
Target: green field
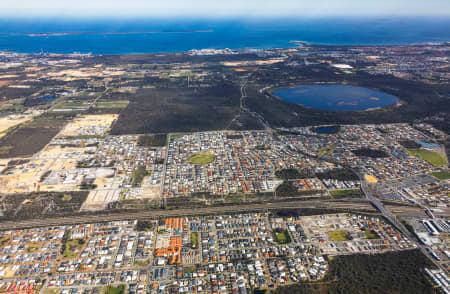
{"points": [[431, 157], [73, 247], [442, 175], [65, 105], [339, 236], [371, 235], [120, 289], [282, 236], [33, 247], [113, 104], [201, 159], [194, 239]]}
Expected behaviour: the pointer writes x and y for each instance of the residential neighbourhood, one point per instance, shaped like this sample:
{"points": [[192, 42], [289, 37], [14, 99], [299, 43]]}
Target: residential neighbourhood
{"points": [[198, 254]]}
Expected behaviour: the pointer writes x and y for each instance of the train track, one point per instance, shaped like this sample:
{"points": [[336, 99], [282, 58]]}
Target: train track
{"points": [[154, 214]]}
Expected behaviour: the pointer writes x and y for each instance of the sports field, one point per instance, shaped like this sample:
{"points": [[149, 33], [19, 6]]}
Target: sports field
{"points": [[282, 236], [201, 159]]}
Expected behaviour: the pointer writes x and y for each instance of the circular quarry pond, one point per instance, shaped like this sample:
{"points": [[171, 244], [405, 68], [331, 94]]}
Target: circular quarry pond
{"points": [[336, 97]]}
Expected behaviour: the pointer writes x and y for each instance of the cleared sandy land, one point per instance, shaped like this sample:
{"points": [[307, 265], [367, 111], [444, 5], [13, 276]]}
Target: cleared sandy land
{"points": [[11, 121], [99, 199], [8, 76], [85, 73], [23, 183], [150, 191], [20, 86], [89, 125], [57, 151], [253, 62], [370, 179]]}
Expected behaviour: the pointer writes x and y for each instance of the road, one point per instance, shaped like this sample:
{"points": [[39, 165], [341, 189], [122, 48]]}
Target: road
{"points": [[394, 221], [243, 108], [388, 214]]}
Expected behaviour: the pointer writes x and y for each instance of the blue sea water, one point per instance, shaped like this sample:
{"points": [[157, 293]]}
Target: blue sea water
{"points": [[336, 97], [178, 35]]}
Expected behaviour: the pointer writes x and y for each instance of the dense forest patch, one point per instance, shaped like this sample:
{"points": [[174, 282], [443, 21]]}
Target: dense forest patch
{"points": [[388, 273]]}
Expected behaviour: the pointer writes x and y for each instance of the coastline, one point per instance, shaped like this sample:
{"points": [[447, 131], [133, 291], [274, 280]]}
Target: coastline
{"points": [[103, 33], [241, 50]]}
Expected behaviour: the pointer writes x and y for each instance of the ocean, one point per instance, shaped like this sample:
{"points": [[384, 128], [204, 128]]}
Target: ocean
{"points": [[180, 35]]}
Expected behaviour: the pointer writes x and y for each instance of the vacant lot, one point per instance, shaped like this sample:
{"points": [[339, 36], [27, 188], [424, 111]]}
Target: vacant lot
{"points": [[339, 236], [40, 205], [338, 174], [164, 110], [88, 125], [346, 193], [4, 240], [371, 234], [153, 140], [120, 289], [138, 175], [9, 122], [431, 157], [292, 173]]}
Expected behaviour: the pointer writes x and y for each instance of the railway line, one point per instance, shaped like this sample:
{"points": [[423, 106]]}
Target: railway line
{"points": [[154, 214]]}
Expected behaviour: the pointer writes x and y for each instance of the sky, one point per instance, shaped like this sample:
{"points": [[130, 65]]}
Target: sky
{"points": [[221, 8]]}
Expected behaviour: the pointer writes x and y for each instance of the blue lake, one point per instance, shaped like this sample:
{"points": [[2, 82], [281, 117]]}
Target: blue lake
{"points": [[336, 97], [46, 98]]}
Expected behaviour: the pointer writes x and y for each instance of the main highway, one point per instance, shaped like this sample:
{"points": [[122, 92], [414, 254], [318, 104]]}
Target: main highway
{"points": [[394, 221]]}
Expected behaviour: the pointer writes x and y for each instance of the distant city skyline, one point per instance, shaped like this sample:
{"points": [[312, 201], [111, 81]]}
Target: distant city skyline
{"points": [[228, 8]]}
